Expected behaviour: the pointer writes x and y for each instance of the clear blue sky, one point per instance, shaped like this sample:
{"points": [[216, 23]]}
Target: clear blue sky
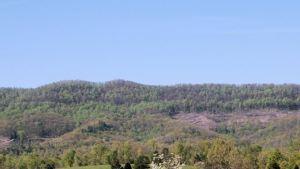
{"points": [[149, 41]]}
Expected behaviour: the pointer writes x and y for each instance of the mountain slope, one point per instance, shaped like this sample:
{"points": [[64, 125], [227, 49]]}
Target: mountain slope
{"points": [[131, 111]]}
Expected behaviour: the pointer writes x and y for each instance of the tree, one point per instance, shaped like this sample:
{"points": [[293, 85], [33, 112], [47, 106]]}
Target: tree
{"points": [[185, 151], [10, 162], [69, 158], [81, 159], [113, 160], [97, 154], [218, 154], [32, 161], [47, 164], [127, 152], [274, 159], [223, 154], [2, 161]]}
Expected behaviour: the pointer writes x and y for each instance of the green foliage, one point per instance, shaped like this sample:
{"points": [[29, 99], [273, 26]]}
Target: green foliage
{"points": [[26, 161], [50, 111], [224, 154], [47, 164], [99, 127], [113, 160], [97, 154], [2, 160], [185, 151], [61, 97], [83, 159], [69, 158], [219, 155], [126, 116], [47, 125], [209, 154]]}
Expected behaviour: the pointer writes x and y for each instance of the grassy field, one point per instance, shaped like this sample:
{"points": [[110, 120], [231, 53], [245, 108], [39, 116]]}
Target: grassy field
{"points": [[108, 167]]}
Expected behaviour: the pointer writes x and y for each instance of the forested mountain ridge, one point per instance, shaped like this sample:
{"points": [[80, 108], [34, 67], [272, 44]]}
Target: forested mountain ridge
{"points": [[185, 98], [54, 119], [57, 108]]}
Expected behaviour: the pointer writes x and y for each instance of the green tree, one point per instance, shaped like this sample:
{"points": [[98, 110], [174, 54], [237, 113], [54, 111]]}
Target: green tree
{"points": [[185, 151], [47, 164], [10, 162], [127, 149], [69, 158], [97, 154], [223, 154], [274, 159], [2, 161], [113, 160]]}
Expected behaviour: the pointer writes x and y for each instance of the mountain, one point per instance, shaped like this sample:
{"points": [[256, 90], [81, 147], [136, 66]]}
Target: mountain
{"points": [[191, 98], [69, 113]]}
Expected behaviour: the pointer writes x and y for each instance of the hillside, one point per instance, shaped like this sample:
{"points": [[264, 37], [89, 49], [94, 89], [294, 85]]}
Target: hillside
{"points": [[95, 120], [187, 98], [124, 110]]}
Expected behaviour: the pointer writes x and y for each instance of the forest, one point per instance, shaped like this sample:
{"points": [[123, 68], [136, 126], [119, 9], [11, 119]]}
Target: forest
{"points": [[126, 124]]}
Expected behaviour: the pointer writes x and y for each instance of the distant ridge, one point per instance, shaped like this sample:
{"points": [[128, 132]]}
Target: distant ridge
{"points": [[124, 82], [183, 97]]}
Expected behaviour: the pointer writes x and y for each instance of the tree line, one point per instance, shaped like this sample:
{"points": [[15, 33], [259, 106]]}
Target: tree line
{"points": [[187, 98], [219, 153]]}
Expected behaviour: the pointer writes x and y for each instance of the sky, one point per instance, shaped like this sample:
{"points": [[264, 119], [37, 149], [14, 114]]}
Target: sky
{"points": [[161, 42]]}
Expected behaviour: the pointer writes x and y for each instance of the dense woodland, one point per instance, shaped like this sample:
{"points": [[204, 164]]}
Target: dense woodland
{"points": [[159, 99], [83, 123]]}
